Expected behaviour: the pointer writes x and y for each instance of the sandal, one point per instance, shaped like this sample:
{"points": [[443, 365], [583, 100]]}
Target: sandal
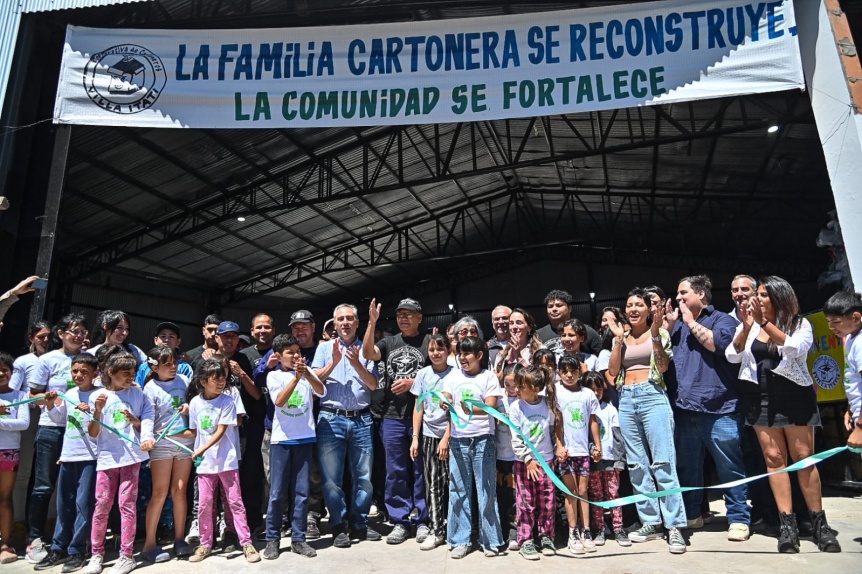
{"points": [[8, 555]]}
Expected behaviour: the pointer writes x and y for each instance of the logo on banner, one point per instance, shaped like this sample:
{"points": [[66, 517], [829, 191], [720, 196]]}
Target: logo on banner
{"points": [[125, 79], [826, 372]]}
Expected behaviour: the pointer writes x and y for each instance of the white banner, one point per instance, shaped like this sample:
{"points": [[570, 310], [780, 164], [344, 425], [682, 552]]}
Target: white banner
{"points": [[429, 72]]}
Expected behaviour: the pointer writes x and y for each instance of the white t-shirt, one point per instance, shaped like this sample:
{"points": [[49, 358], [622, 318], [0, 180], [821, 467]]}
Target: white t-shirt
{"points": [[53, 372], [537, 422], [603, 361], [434, 419], [138, 354], [113, 451], [503, 434], [478, 387], [206, 416], [15, 421], [294, 422], [22, 370], [852, 376], [608, 420], [78, 445], [576, 409], [166, 397]]}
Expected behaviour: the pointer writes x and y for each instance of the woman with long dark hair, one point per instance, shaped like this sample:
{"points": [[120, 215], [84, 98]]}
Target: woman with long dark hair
{"points": [[523, 341], [112, 328], [38, 336], [771, 345]]}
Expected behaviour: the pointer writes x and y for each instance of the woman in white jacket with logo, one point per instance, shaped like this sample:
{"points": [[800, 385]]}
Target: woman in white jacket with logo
{"points": [[778, 399]]}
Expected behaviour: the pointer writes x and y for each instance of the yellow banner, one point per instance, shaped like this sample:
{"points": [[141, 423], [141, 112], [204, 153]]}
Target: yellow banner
{"points": [[826, 361]]}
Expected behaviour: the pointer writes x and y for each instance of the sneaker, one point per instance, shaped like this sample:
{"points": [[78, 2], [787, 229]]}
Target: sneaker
{"points": [[373, 512], [622, 538], [341, 540], [513, 540], [491, 552], [398, 535], [600, 538], [194, 535], [8, 555], [422, 533], [272, 549], [181, 549], [368, 534], [460, 551], [738, 532], [312, 531], [695, 524], [36, 551], [547, 546], [576, 545], [123, 565], [201, 552], [51, 560], [73, 564], [94, 566], [229, 542], [303, 549], [432, 542], [587, 538], [155, 555], [251, 553], [528, 551], [645, 534], [675, 541]]}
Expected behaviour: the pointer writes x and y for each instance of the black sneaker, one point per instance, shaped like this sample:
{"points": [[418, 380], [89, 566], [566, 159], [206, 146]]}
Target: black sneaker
{"points": [[272, 549], [51, 560], [312, 531], [342, 540], [368, 534], [303, 549], [230, 542], [74, 563]]}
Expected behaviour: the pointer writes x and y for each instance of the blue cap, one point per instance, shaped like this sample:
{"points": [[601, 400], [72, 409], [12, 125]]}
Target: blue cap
{"points": [[227, 327]]}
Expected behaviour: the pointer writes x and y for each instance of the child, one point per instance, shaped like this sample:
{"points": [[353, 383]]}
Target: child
{"points": [[472, 450], [537, 418], [572, 336], [170, 465], [76, 485], [122, 406], [292, 391], [432, 422], [578, 408], [545, 358], [211, 413], [605, 473], [506, 459], [844, 315], [13, 420]]}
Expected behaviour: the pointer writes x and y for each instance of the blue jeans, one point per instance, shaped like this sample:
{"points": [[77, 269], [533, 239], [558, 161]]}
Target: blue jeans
{"points": [[49, 443], [76, 500], [405, 483], [722, 435], [646, 422], [340, 437], [473, 459], [290, 471]]}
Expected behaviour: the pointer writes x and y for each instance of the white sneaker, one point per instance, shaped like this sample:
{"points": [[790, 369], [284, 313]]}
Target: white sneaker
{"points": [[373, 511], [36, 551], [432, 542], [576, 545], [94, 566], [123, 566], [194, 536]]}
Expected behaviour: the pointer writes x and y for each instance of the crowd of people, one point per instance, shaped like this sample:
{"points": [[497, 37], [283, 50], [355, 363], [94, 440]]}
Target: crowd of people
{"points": [[455, 440]]}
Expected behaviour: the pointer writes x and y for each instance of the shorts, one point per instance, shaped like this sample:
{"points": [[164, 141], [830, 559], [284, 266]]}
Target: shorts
{"points": [[10, 460], [165, 450], [576, 465]]}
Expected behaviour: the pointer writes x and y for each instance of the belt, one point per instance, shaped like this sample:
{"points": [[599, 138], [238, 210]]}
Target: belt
{"points": [[344, 413]]}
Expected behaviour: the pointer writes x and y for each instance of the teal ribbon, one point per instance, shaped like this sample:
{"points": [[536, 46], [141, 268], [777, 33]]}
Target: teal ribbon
{"points": [[98, 422], [24, 402], [197, 460], [170, 424]]}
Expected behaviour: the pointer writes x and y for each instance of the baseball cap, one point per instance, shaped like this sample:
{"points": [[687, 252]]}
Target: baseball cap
{"points": [[301, 316], [227, 327], [410, 305], [168, 325], [245, 339]]}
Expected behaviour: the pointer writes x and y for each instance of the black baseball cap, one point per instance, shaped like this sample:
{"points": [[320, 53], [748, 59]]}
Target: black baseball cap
{"points": [[301, 316], [168, 325]]}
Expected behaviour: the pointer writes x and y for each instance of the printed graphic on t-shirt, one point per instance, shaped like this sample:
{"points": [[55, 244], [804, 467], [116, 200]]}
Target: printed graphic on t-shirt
{"points": [[536, 428], [601, 430], [297, 405], [573, 411], [208, 420], [404, 362], [76, 424], [554, 345], [177, 401], [115, 416]]}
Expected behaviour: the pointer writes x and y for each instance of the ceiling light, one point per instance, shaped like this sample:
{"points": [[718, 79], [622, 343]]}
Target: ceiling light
{"points": [[451, 307], [240, 219], [592, 296], [772, 129]]}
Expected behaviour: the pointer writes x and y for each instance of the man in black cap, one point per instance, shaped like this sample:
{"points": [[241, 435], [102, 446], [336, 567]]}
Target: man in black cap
{"points": [[167, 335], [402, 356]]}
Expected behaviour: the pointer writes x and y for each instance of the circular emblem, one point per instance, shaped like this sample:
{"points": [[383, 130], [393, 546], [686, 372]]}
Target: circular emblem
{"points": [[826, 372], [125, 79]]}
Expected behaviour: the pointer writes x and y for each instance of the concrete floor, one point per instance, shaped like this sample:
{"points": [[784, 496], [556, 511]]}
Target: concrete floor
{"points": [[709, 551]]}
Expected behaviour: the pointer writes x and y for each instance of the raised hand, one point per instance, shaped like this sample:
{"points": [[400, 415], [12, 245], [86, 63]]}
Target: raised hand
{"points": [[617, 328], [657, 313], [685, 313], [671, 314], [374, 311], [336, 352], [745, 315], [756, 310]]}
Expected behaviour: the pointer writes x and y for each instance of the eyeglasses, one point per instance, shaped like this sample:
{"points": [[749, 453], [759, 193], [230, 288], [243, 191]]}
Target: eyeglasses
{"points": [[468, 331], [77, 333], [407, 316]]}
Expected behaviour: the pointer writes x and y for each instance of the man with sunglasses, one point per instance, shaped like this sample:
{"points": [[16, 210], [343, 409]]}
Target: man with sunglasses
{"points": [[402, 356]]}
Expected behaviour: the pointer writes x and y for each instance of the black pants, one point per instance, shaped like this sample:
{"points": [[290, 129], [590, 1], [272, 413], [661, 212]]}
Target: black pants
{"points": [[251, 475]]}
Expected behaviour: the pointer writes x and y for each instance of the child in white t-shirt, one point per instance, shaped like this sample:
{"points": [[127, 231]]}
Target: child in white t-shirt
{"points": [[292, 391], [573, 333], [506, 458], [13, 420], [844, 314]]}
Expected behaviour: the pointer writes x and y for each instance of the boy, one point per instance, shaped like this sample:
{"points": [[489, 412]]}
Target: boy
{"points": [[292, 391], [76, 485], [844, 314]]}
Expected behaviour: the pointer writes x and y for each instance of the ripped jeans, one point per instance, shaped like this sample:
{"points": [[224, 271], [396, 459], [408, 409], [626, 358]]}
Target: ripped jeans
{"points": [[646, 422]]}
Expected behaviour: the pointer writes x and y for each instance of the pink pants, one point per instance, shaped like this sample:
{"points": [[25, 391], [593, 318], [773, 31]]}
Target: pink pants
{"points": [[234, 513], [124, 478]]}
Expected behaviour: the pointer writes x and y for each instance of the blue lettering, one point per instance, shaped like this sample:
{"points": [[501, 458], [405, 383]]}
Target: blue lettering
{"points": [[595, 40], [534, 41], [577, 35], [243, 63], [552, 44], [489, 49], [269, 59], [376, 61], [654, 32], [180, 76], [414, 42], [433, 48], [634, 37], [202, 64], [671, 28], [615, 28], [772, 20], [471, 51], [714, 23], [754, 17], [454, 51], [225, 57], [695, 17], [393, 48], [356, 68], [736, 25], [510, 50]]}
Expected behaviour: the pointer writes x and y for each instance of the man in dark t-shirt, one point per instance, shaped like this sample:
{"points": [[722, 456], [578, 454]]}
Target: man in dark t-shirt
{"points": [[558, 305], [402, 356]]}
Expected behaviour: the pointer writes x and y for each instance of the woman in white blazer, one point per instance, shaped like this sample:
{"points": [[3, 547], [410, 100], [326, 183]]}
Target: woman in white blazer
{"points": [[771, 345]]}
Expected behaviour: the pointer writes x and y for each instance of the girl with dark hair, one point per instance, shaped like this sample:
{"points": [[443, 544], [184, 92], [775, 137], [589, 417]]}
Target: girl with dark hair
{"points": [[771, 345], [506, 458], [112, 327], [13, 420], [523, 341], [38, 336]]}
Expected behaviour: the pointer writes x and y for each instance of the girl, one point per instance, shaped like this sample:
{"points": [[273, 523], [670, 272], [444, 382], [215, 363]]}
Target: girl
{"points": [[572, 336], [472, 451], [170, 465], [113, 329], [52, 373], [537, 417], [211, 414], [771, 345], [13, 420], [433, 423], [577, 407], [546, 358], [38, 336], [605, 473], [122, 406], [506, 459]]}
